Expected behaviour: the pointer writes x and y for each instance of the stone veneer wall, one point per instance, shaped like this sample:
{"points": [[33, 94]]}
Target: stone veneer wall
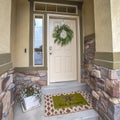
{"points": [[106, 91], [36, 76], [89, 55], [29, 77], [104, 82], [6, 96]]}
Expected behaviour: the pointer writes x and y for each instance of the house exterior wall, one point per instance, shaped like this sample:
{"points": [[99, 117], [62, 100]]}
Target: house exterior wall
{"points": [[5, 33], [6, 71], [21, 58], [104, 76], [115, 15], [89, 56], [105, 89], [103, 31], [104, 82], [88, 38], [88, 17], [107, 33], [5, 15]]}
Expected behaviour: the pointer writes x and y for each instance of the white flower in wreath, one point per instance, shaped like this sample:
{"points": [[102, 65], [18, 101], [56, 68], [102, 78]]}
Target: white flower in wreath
{"points": [[63, 34]]}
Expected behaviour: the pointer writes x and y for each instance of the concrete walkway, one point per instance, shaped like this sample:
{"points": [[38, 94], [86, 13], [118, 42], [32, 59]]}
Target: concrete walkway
{"points": [[38, 113]]}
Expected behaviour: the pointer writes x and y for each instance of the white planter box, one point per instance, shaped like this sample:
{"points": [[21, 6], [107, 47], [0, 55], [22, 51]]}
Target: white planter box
{"points": [[30, 103]]}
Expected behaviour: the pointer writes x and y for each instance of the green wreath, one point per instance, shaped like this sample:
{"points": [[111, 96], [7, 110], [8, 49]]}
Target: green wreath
{"points": [[62, 34]]}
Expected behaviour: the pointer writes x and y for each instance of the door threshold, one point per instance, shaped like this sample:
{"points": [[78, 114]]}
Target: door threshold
{"points": [[63, 83]]}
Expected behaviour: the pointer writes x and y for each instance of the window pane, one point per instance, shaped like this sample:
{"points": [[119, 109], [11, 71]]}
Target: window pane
{"points": [[40, 7], [51, 7], [61, 8], [71, 10], [38, 40]]}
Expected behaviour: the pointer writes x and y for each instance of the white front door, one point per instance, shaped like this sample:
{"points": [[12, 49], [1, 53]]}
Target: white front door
{"points": [[62, 60]]}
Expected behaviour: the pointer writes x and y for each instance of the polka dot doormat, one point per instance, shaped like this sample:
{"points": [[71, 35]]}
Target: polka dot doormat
{"points": [[50, 109]]}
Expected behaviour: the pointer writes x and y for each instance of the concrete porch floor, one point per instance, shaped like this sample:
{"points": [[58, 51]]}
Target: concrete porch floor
{"points": [[38, 113]]}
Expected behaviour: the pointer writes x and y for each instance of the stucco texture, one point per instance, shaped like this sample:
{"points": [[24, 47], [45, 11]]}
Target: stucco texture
{"points": [[22, 33], [103, 27], [115, 15], [88, 17], [5, 20]]}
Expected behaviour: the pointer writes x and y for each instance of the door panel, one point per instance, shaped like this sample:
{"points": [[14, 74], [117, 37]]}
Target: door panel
{"points": [[62, 60]]}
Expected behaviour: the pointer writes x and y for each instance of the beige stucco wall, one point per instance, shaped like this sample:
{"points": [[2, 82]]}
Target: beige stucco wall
{"points": [[22, 33], [115, 15], [88, 17], [5, 20], [103, 28]]}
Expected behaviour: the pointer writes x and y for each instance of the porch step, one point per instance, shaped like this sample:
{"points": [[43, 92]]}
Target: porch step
{"points": [[38, 114], [63, 87], [66, 87], [84, 115]]}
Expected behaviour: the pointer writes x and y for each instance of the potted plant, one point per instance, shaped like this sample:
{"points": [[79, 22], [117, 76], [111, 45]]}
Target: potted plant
{"points": [[29, 95]]}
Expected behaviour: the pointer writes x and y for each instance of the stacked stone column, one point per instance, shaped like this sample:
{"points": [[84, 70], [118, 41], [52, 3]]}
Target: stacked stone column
{"points": [[104, 76]]}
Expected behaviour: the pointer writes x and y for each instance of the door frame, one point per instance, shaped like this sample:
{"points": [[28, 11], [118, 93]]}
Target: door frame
{"points": [[78, 42]]}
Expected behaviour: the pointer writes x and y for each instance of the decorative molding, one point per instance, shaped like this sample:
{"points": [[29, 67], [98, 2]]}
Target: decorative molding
{"points": [[108, 59], [24, 69], [104, 56], [72, 2], [104, 63], [31, 35], [4, 68], [110, 56], [5, 58]]}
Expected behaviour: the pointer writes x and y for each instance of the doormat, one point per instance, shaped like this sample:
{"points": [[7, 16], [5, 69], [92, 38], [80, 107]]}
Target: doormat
{"points": [[69, 100], [67, 103]]}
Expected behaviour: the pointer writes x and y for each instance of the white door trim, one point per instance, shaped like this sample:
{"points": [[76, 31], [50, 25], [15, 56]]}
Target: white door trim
{"points": [[78, 43]]}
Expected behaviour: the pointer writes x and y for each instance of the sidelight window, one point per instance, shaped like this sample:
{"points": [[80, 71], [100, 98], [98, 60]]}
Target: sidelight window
{"points": [[38, 40]]}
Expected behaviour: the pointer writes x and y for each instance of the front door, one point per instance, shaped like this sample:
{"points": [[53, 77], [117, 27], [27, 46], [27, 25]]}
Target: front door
{"points": [[62, 60]]}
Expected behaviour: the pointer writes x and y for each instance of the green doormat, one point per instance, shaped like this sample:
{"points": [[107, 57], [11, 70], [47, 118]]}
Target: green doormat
{"points": [[67, 103], [70, 100]]}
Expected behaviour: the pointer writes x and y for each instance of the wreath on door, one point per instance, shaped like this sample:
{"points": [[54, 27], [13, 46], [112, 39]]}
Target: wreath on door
{"points": [[63, 35]]}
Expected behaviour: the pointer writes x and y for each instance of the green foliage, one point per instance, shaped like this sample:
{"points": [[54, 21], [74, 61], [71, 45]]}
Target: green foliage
{"points": [[30, 90], [57, 35]]}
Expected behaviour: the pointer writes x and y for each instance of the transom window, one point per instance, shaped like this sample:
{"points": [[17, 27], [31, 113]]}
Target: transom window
{"points": [[38, 39], [57, 8]]}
